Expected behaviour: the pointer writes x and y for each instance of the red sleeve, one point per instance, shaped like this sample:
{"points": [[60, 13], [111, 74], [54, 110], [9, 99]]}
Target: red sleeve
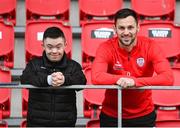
{"points": [[164, 75], [100, 73]]}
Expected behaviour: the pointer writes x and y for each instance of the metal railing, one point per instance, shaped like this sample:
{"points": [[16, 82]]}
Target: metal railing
{"points": [[20, 86]]}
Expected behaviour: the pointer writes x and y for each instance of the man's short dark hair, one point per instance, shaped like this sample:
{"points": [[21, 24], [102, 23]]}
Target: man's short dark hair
{"points": [[53, 32], [123, 13]]}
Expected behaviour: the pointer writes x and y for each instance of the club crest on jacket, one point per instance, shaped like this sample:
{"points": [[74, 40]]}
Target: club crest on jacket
{"points": [[140, 62]]}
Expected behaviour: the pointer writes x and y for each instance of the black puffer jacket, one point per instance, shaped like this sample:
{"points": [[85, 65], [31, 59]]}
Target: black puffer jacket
{"points": [[52, 107]]}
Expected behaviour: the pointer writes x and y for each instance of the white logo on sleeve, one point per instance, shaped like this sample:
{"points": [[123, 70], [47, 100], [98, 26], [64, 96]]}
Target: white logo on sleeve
{"points": [[118, 66], [140, 62]]}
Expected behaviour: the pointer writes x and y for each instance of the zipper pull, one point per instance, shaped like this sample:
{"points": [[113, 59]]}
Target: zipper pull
{"points": [[129, 56], [128, 74]]}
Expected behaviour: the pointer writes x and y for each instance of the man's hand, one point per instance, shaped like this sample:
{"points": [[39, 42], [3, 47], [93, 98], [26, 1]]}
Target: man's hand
{"points": [[126, 82], [57, 79]]}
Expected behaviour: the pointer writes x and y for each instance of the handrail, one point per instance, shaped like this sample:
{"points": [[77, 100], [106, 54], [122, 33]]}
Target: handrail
{"points": [[20, 86]]}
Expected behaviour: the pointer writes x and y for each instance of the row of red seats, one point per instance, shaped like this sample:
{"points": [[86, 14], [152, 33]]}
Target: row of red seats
{"points": [[164, 9], [96, 19]]}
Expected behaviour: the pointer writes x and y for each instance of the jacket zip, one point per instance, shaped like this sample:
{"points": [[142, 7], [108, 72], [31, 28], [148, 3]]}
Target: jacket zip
{"points": [[129, 56], [52, 105]]}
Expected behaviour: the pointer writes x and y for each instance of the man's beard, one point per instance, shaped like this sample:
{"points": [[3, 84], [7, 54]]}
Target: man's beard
{"points": [[127, 44]]}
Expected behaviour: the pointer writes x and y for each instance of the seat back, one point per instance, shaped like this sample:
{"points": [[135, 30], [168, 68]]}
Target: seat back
{"points": [[34, 34], [168, 123], [166, 35], [98, 9], [5, 96], [154, 9], [93, 34], [6, 45], [93, 124], [25, 96], [57, 8], [5, 103], [3, 124], [167, 103], [93, 98], [8, 11], [23, 124]]}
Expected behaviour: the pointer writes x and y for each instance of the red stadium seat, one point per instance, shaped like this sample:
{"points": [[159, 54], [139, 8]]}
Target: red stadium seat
{"points": [[57, 8], [93, 34], [167, 104], [6, 45], [93, 98], [154, 9], [166, 35], [168, 124], [8, 11], [93, 124], [25, 96], [98, 9], [5, 98], [34, 34], [23, 124], [4, 124]]}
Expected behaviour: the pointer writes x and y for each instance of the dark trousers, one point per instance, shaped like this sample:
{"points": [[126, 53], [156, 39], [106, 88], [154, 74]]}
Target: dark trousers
{"points": [[144, 121]]}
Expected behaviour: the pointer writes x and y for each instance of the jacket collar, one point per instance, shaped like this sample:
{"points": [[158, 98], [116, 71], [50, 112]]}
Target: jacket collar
{"points": [[134, 49], [60, 64]]}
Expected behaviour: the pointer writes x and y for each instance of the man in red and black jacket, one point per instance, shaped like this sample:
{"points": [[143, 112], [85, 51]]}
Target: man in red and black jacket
{"points": [[129, 61]]}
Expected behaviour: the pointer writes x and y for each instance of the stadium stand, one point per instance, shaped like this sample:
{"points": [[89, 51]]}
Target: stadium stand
{"points": [[7, 22], [63, 19]]}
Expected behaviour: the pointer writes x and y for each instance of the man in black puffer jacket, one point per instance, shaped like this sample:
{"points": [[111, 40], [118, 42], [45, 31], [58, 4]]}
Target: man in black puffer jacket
{"points": [[52, 107]]}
